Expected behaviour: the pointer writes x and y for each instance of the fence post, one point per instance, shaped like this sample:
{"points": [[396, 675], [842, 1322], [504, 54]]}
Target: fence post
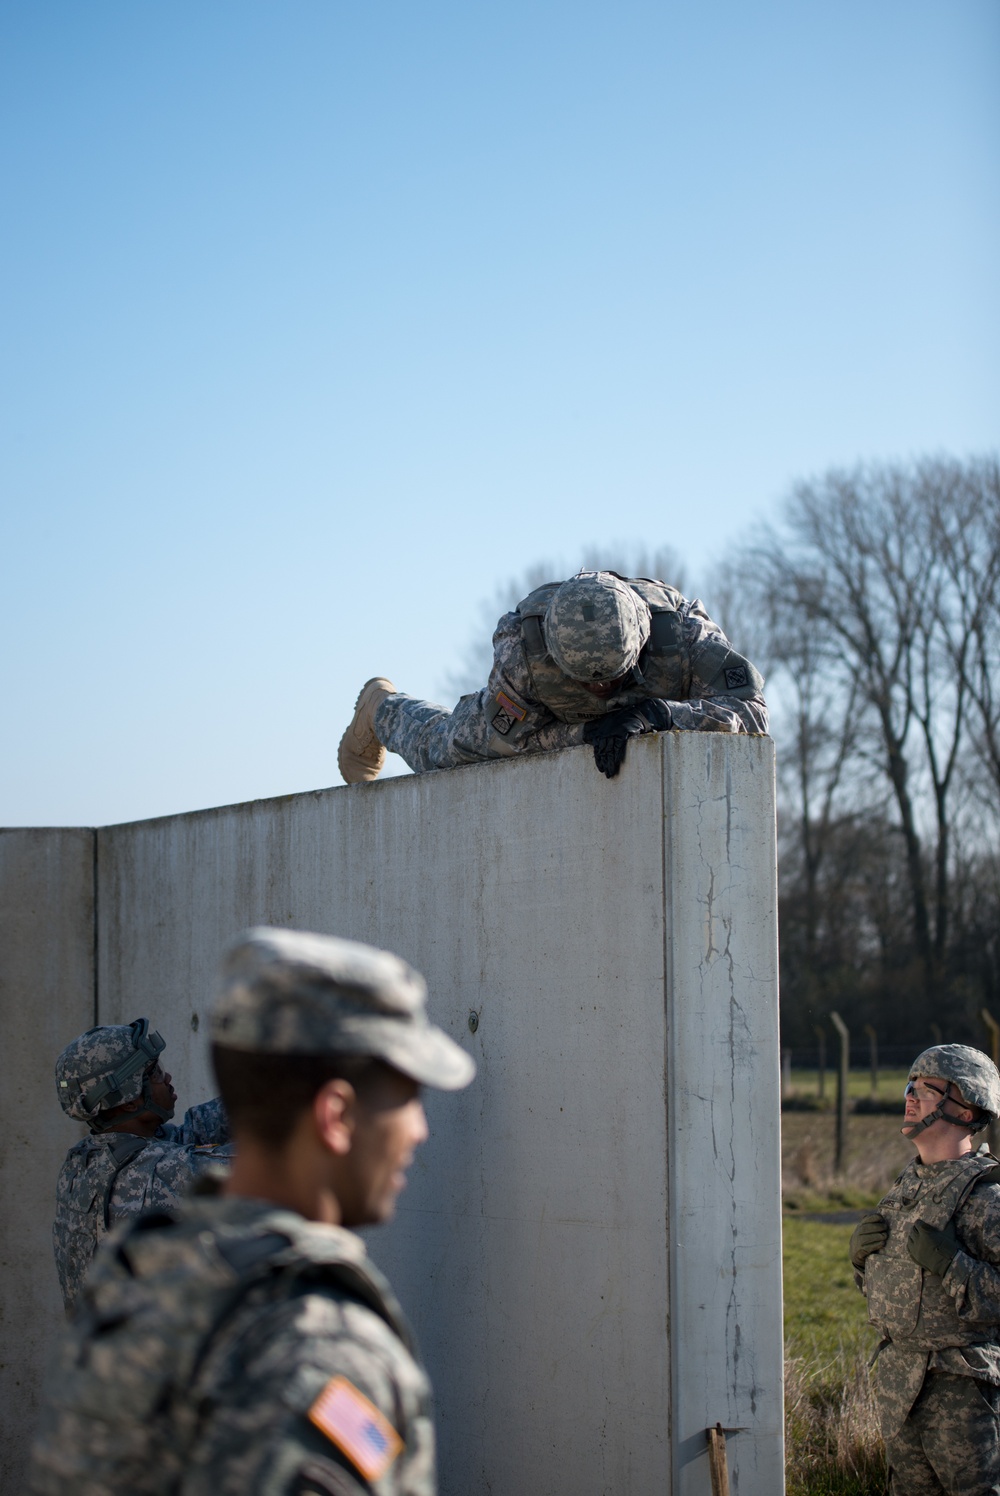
{"points": [[873, 1041], [840, 1143], [820, 1033], [993, 1131], [936, 1034]]}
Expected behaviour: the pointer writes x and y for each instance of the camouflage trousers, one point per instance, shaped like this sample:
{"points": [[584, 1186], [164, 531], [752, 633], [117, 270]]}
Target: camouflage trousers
{"points": [[950, 1443], [428, 737]]}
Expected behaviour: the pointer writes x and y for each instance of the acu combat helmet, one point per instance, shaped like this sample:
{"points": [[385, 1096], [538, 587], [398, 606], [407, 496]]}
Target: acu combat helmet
{"points": [[106, 1067], [595, 627], [972, 1073]]}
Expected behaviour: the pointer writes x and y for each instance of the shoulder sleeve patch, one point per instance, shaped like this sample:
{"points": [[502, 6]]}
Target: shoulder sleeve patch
{"points": [[510, 707], [357, 1427], [508, 714]]}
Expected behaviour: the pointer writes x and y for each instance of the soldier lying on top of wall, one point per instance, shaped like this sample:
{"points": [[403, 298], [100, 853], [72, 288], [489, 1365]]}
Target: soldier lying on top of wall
{"points": [[929, 1263], [135, 1158], [598, 659]]}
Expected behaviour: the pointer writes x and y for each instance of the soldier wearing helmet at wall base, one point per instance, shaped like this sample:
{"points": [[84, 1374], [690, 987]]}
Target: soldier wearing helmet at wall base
{"points": [[134, 1157], [244, 1343], [597, 659], [928, 1261]]}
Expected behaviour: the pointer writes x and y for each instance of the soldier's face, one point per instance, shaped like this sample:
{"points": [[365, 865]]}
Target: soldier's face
{"points": [[389, 1127], [923, 1095], [604, 688], [161, 1089]]}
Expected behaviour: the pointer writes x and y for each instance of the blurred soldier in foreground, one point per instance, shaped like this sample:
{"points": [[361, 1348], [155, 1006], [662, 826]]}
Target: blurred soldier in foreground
{"points": [[929, 1263], [244, 1343], [598, 659], [134, 1159]]}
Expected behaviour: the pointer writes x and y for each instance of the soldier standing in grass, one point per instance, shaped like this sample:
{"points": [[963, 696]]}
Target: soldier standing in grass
{"points": [[598, 659], [929, 1263]]}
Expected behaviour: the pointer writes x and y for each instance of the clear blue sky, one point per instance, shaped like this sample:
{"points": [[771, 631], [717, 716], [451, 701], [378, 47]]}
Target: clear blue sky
{"points": [[321, 320]]}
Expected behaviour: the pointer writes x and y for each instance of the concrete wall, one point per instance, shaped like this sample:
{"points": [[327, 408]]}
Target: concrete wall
{"points": [[589, 1246], [46, 999], [617, 942]]}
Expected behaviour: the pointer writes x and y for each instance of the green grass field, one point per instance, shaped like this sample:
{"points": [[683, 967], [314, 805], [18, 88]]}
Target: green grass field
{"points": [[859, 1084], [833, 1446], [825, 1315]]}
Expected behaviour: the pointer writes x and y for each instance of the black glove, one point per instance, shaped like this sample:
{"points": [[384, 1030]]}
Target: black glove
{"points": [[869, 1235], [933, 1249], [610, 734]]}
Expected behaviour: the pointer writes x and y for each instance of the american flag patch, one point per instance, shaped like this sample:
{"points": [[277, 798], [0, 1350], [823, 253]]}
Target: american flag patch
{"points": [[511, 707], [357, 1427]]}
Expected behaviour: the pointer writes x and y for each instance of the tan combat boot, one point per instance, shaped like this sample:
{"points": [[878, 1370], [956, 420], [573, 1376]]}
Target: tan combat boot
{"points": [[361, 756]]}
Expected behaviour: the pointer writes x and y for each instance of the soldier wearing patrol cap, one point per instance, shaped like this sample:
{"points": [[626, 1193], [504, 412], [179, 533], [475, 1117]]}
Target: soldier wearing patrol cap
{"points": [[244, 1342], [134, 1158], [597, 659], [928, 1261]]}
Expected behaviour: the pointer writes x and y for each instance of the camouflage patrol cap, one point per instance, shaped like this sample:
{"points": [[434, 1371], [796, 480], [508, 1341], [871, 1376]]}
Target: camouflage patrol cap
{"points": [[971, 1071], [595, 626], [104, 1068], [291, 992]]}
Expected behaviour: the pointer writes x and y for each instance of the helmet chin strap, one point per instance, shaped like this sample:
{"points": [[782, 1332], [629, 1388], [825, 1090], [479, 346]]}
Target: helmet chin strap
{"points": [[106, 1124], [911, 1129], [149, 1105]]}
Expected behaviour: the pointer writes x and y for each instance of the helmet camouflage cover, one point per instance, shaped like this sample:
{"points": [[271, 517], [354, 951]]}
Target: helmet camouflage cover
{"points": [[973, 1074], [104, 1068], [595, 626]]}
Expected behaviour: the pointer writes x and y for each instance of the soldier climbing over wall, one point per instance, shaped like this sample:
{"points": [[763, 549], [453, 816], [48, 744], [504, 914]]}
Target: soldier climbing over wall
{"points": [[134, 1158], [597, 659], [244, 1343], [929, 1263]]}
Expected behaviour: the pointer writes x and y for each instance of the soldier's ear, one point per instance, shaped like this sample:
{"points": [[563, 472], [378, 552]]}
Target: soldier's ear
{"points": [[334, 1113]]}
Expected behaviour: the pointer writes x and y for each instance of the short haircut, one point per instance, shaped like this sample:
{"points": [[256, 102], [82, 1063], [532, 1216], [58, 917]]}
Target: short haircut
{"points": [[266, 1094]]}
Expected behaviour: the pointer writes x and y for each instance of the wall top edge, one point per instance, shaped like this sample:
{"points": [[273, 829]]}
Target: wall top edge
{"points": [[674, 740], [49, 830]]}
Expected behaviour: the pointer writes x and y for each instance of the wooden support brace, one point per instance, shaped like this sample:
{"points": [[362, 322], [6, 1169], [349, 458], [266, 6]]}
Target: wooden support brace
{"points": [[718, 1465]]}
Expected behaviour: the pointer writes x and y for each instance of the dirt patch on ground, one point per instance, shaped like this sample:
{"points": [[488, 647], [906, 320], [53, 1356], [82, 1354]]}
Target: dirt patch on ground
{"points": [[876, 1151]]}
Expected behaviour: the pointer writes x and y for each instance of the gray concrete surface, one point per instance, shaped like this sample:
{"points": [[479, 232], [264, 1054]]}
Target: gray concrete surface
{"points": [[589, 1246], [46, 998]]}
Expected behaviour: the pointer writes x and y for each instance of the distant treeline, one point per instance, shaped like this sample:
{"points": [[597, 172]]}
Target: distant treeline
{"points": [[874, 609]]}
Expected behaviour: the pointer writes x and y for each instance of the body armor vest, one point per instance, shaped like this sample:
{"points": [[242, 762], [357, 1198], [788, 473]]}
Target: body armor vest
{"points": [[89, 1199], [906, 1302], [663, 669]]}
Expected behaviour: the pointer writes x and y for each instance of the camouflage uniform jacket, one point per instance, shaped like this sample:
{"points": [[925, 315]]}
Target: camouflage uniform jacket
{"points": [[110, 1176], [949, 1324], [688, 662], [234, 1347]]}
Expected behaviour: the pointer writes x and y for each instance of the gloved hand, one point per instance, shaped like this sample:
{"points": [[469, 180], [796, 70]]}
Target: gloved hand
{"points": [[610, 734], [933, 1249], [869, 1235]]}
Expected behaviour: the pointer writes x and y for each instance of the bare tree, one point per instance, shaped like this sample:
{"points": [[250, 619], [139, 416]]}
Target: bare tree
{"points": [[880, 589], [964, 508]]}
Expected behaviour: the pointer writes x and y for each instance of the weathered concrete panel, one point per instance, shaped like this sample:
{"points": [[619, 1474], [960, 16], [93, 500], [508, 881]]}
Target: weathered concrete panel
{"points": [[616, 941], [46, 998], [724, 1142]]}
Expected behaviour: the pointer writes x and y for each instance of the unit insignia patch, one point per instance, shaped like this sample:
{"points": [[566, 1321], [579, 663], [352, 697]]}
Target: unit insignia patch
{"points": [[508, 714]]}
